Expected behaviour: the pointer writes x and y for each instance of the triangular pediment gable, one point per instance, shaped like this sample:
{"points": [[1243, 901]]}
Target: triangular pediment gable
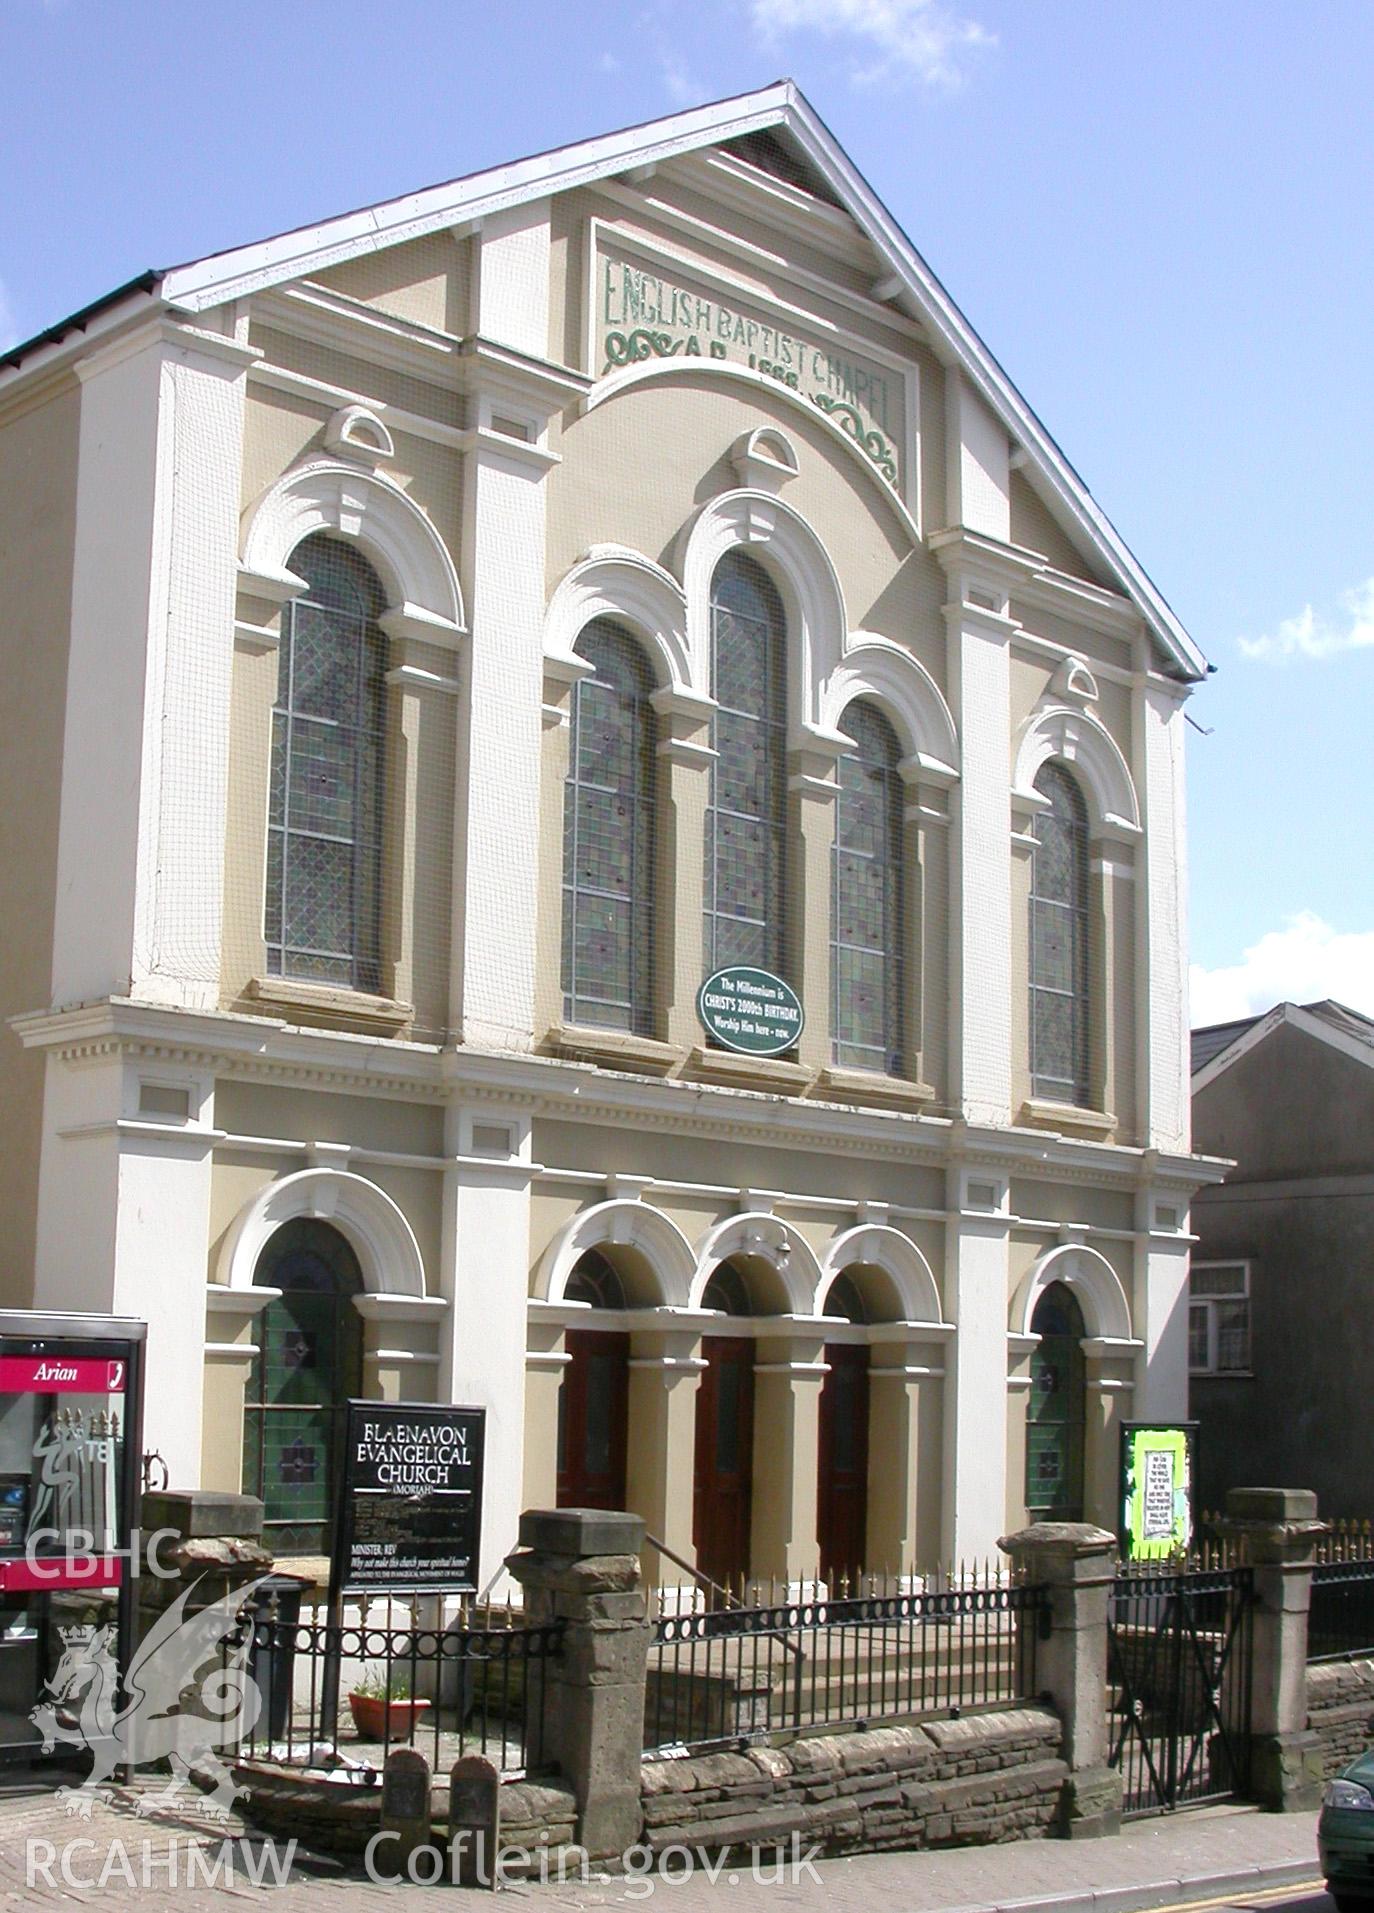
{"points": [[775, 140]]}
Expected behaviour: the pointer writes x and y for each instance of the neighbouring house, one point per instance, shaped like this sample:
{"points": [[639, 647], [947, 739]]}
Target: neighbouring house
{"points": [[442, 639], [1278, 1354]]}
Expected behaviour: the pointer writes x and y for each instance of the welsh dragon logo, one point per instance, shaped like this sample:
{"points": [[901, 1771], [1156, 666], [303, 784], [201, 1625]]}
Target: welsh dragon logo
{"points": [[188, 1695]]}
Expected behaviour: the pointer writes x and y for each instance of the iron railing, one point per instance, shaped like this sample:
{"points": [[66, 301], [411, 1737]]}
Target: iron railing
{"points": [[1340, 1621], [446, 1689], [726, 1675]]}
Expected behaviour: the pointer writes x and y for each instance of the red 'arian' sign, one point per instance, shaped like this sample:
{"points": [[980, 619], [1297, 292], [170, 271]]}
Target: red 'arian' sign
{"points": [[59, 1571], [61, 1375]]}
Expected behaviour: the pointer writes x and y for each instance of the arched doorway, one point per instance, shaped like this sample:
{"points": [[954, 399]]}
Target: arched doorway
{"points": [[723, 1468], [842, 1448], [1057, 1413], [593, 1397], [309, 1362]]}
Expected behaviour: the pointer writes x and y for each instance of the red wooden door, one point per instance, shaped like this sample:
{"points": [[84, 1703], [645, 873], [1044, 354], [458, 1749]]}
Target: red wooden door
{"points": [[593, 1411], [722, 1501], [842, 1486]]}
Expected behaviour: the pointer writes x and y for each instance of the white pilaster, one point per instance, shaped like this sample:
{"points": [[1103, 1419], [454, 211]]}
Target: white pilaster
{"points": [[484, 1274], [513, 278], [977, 464], [980, 851], [1161, 1305], [1163, 1062], [141, 842], [975, 1445], [497, 888], [124, 1224]]}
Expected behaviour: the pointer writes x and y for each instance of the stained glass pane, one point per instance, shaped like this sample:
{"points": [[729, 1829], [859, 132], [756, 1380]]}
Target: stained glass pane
{"points": [[309, 1363], [1058, 941], [321, 914], [609, 837], [318, 901], [745, 821], [866, 898], [320, 791]]}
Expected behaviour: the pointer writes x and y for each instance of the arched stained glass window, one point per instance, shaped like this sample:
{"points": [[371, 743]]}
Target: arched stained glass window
{"points": [[593, 1280], [746, 819], [309, 1362], [608, 838], [1059, 1060], [1055, 1416], [867, 902], [322, 920]]}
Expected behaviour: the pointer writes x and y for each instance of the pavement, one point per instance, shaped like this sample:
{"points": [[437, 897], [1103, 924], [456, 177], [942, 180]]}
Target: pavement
{"points": [[1229, 1854]]}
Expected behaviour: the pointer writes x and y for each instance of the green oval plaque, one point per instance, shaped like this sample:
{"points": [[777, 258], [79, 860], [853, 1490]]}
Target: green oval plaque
{"points": [[750, 1010]]}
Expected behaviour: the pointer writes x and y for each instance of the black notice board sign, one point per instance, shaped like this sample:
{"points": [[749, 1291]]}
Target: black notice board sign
{"points": [[410, 1514]]}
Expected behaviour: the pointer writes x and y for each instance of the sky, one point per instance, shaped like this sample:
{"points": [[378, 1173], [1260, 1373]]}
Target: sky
{"points": [[1157, 216]]}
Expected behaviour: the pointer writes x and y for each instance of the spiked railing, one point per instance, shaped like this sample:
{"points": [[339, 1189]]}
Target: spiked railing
{"points": [[783, 1659]]}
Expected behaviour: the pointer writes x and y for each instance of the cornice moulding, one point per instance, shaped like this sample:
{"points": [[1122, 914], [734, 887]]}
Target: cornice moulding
{"points": [[267, 1049]]}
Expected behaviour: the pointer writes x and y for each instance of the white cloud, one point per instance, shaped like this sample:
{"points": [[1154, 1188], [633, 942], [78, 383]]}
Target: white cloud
{"points": [[1301, 963], [1310, 635], [9, 322], [921, 39], [678, 83]]}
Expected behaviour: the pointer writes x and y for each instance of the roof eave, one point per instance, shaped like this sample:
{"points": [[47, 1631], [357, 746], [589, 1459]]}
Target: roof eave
{"points": [[100, 316]]}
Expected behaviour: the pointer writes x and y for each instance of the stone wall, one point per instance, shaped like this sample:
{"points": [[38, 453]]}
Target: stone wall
{"points": [[1340, 1710], [968, 1782]]}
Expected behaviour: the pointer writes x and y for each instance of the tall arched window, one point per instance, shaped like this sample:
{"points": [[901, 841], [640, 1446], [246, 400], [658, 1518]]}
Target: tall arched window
{"points": [[866, 914], [324, 822], [1056, 1414], [309, 1362], [746, 819], [608, 838], [1059, 942]]}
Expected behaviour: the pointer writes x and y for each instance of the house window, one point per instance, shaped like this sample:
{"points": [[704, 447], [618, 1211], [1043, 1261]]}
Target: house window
{"points": [[746, 818], [866, 900], [1059, 942], [608, 838], [324, 823], [1219, 1318]]}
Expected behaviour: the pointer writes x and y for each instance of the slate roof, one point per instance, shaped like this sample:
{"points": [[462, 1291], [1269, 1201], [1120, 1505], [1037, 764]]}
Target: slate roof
{"points": [[1210, 1041]]}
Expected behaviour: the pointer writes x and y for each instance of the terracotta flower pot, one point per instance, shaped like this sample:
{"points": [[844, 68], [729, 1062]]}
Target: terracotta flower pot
{"points": [[376, 1718]]}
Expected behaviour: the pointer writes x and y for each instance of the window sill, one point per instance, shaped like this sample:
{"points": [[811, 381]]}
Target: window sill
{"points": [[333, 1008], [869, 1086], [1221, 1374], [768, 1073], [1041, 1114], [614, 1049]]}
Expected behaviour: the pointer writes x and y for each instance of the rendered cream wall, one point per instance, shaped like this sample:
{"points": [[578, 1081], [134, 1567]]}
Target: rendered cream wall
{"points": [[425, 280], [636, 470], [1034, 529], [38, 446], [853, 1176]]}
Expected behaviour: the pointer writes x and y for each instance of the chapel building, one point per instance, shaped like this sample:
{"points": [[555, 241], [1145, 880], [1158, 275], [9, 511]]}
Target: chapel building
{"points": [[440, 640]]}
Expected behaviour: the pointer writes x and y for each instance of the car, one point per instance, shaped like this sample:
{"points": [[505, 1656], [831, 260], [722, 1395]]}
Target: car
{"points": [[1345, 1836]]}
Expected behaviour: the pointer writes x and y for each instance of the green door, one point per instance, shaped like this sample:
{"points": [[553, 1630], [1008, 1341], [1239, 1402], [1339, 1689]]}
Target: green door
{"points": [[1055, 1419], [309, 1362]]}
